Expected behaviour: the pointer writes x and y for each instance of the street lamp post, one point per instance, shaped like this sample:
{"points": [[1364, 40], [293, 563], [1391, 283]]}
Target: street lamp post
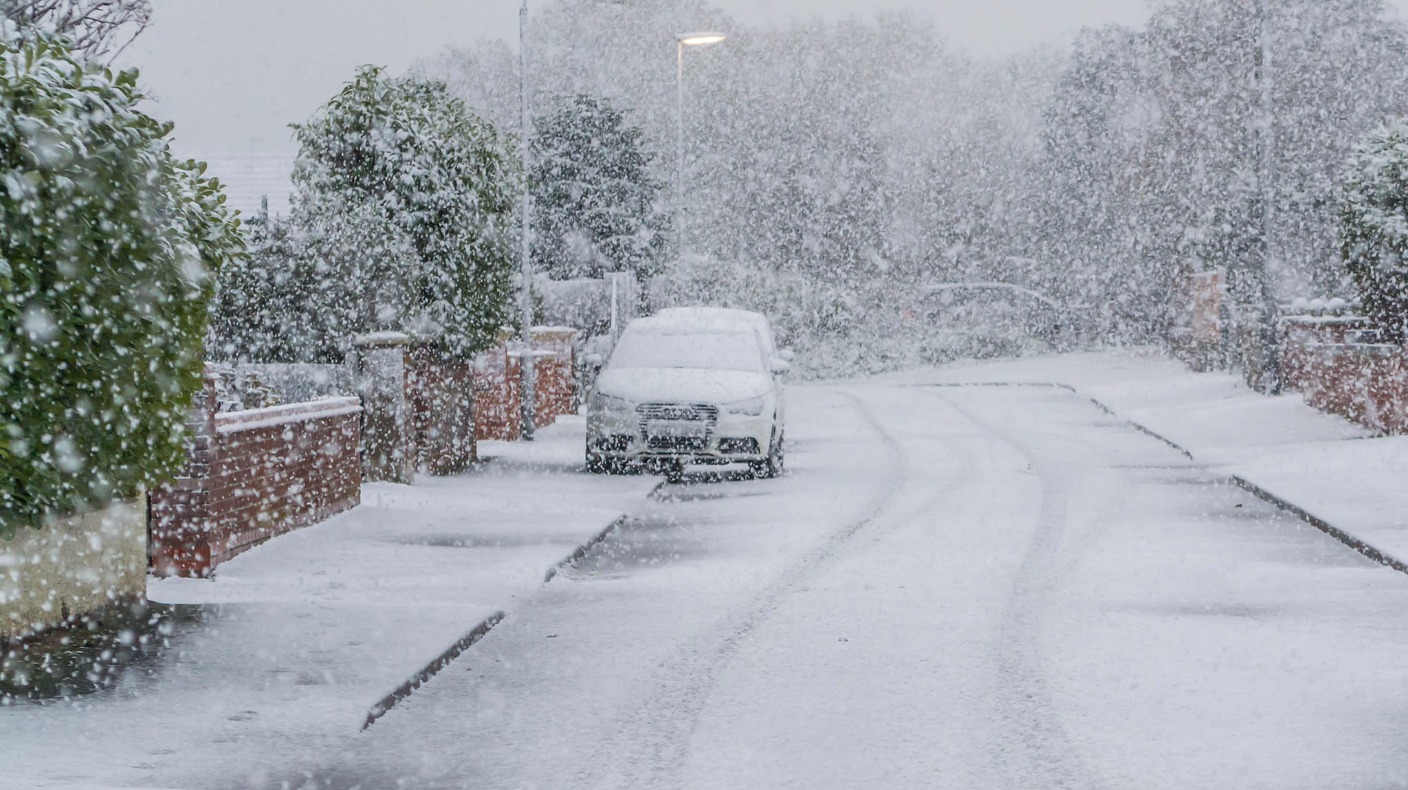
{"points": [[1270, 341], [698, 39], [526, 364]]}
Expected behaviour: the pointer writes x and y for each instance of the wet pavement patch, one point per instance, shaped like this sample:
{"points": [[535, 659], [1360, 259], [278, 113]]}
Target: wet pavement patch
{"points": [[687, 493], [499, 541], [1217, 610], [91, 653]]}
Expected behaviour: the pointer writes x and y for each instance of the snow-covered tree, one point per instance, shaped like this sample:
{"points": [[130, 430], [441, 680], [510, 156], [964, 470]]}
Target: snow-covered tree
{"points": [[108, 247], [597, 204], [408, 150], [1374, 227], [1154, 166], [872, 150], [97, 28]]}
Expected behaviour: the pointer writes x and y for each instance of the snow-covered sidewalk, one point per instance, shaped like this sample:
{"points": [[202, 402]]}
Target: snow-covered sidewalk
{"points": [[1325, 465], [301, 637]]}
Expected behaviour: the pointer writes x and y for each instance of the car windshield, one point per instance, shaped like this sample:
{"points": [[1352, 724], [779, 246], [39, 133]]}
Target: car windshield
{"points": [[662, 348]]}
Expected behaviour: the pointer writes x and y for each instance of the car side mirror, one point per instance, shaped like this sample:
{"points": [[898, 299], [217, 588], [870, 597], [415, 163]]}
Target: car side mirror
{"points": [[593, 360], [780, 366]]}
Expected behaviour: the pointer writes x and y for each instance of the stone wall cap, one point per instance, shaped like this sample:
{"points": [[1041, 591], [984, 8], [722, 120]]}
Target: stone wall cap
{"points": [[382, 340], [285, 414]]}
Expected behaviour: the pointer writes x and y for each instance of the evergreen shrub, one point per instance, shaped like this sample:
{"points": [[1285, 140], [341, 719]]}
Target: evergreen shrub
{"points": [[107, 249]]}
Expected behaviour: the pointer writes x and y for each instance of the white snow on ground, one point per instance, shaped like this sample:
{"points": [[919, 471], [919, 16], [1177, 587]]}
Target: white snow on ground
{"points": [[1078, 607], [963, 587], [1324, 464], [966, 588], [308, 631]]}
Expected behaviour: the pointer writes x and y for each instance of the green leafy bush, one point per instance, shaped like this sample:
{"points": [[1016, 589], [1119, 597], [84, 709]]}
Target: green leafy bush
{"points": [[107, 245]]}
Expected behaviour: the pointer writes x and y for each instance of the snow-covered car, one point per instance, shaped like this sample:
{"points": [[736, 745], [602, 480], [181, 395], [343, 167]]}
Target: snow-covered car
{"points": [[718, 317], [674, 394]]}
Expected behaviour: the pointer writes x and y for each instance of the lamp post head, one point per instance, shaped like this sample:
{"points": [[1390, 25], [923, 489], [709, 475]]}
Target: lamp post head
{"points": [[699, 39]]}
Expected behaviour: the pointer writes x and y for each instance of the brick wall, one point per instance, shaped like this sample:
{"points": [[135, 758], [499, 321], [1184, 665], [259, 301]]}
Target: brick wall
{"points": [[252, 475], [1363, 382], [441, 391], [1301, 334], [1367, 384], [497, 377], [1197, 332]]}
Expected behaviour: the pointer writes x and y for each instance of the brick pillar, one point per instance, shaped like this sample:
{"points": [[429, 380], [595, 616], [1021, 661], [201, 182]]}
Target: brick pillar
{"points": [[388, 445], [442, 401], [556, 372], [178, 520]]}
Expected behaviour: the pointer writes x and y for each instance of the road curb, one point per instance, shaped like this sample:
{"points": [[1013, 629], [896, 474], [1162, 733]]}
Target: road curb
{"points": [[1367, 549], [432, 669], [596, 540], [581, 551], [1361, 546], [1068, 388]]}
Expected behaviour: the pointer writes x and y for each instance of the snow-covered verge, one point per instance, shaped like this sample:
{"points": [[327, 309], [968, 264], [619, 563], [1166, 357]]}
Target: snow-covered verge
{"points": [[298, 638], [1323, 464]]}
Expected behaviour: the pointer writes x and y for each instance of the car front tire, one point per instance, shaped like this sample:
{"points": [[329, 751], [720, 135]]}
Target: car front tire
{"points": [[775, 463]]}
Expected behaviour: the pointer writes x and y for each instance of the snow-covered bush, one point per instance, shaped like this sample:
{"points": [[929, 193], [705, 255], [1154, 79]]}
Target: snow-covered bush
{"points": [[312, 283], [596, 201], [1374, 227], [407, 150], [107, 246]]}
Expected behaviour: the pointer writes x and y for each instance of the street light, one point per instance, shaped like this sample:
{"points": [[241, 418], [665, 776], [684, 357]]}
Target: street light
{"points": [[1270, 340], [696, 39], [526, 364]]}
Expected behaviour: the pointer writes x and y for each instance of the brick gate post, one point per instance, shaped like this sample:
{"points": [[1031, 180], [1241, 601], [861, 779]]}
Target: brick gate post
{"points": [[388, 432]]}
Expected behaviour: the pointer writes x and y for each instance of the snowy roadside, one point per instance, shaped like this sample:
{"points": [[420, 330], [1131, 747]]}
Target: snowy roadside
{"points": [[1322, 464], [301, 636]]}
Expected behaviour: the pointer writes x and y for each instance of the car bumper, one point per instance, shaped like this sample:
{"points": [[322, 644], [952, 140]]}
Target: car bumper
{"points": [[733, 439]]}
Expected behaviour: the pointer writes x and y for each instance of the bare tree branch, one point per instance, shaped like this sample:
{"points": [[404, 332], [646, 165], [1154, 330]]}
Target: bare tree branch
{"points": [[99, 28]]}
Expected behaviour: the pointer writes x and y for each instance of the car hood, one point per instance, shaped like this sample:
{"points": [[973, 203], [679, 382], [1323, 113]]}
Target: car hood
{"points": [[682, 385]]}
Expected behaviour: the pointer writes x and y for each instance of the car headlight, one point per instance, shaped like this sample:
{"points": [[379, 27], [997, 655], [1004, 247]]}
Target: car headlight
{"points": [[751, 407], [610, 403]]}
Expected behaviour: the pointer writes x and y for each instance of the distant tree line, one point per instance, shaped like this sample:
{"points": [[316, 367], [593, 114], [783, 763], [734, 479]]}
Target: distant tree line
{"points": [[867, 157], [406, 217]]}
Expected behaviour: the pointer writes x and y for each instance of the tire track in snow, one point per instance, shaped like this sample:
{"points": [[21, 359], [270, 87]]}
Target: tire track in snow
{"points": [[650, 746], [1037, 750]]}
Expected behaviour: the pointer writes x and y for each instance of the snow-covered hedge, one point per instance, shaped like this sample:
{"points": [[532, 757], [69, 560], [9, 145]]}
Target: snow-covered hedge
{"points": [[1375, 227], [311, 283], [107, 244]]}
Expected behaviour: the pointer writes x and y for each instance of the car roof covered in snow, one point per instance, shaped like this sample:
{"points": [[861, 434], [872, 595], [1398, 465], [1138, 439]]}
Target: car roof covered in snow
{"points": [[719, 318], [657, 325]]}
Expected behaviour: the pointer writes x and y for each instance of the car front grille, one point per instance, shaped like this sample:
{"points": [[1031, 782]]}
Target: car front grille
{"points": [[676, 427], [677, 444]]}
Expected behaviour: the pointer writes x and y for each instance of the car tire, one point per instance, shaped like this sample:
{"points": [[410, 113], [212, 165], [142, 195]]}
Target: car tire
{"points": [[674, 473], [775, 463]]}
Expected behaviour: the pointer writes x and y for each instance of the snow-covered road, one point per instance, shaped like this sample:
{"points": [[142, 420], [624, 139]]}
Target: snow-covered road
{"points": [[989, 587]]}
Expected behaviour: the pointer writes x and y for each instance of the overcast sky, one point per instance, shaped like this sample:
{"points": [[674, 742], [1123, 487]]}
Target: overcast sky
{"points": [[233, 74]]}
